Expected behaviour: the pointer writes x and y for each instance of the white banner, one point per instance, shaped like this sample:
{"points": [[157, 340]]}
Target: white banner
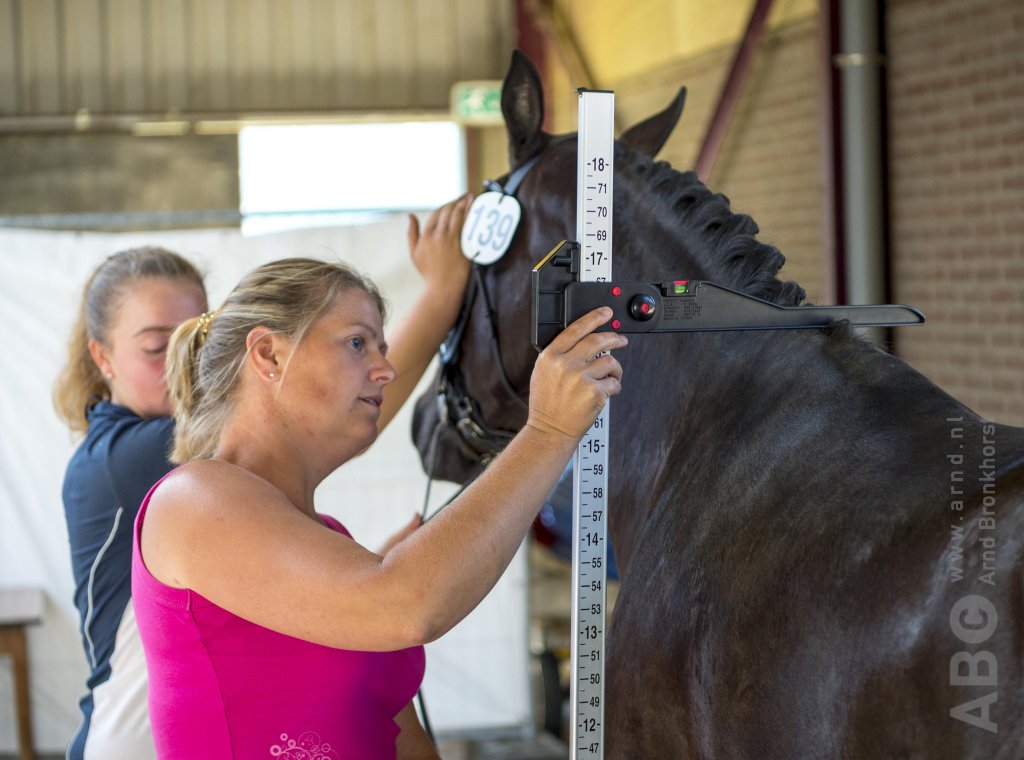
{"points": [[477, 676]]}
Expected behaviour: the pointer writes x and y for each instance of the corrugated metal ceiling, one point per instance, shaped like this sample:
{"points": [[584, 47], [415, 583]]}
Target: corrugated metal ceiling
{"points": [[158, 57]]}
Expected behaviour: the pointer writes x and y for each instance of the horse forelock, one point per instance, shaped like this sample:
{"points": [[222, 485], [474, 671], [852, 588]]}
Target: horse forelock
{"points": [[727, 243]]}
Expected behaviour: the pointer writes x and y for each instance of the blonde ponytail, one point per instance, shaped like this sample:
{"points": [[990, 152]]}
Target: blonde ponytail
{"points": [[80, 383], [186, 393]]}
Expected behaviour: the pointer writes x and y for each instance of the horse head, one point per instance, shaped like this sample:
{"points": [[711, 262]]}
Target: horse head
{"points": [[494, 356]]}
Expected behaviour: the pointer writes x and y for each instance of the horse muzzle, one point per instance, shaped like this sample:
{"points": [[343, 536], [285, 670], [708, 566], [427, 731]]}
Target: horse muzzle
{"points": [[452, 438]]}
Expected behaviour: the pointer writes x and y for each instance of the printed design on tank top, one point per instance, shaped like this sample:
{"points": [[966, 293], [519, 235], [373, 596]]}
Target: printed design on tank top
{"points": [[307, 747]]}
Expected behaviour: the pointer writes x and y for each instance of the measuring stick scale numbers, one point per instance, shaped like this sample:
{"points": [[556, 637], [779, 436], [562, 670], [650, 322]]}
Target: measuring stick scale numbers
{"points": [[590, 512], [594, 194]]}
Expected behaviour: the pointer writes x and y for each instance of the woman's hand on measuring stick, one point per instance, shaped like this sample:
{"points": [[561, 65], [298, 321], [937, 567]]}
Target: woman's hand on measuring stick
{"points": [[572, 380], [436, 250]]}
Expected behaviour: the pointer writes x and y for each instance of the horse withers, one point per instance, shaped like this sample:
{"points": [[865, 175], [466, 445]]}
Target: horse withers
{"points": [[820, 550]]}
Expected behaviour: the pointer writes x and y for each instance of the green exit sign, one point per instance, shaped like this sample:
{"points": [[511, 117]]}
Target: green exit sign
{"points": [[477, 102]]}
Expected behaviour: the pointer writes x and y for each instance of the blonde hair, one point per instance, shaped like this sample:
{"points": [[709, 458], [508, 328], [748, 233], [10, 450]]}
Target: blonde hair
{"points": [[80, 384], [205, 354]]}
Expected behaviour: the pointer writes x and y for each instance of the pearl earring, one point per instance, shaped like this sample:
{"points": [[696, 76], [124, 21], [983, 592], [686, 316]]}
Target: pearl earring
{"points": [[270, 375]]}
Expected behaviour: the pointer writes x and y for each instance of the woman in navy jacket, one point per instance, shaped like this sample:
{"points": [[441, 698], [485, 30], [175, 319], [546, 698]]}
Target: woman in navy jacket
{"points": [[113, 389]]}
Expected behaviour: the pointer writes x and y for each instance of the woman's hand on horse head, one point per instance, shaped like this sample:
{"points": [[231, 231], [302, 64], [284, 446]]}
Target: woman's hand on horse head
{"points": [[573, 377], [436, 251]]}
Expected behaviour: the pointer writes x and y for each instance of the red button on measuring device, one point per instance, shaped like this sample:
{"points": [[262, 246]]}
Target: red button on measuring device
{"points": [[642, 307], [616, 324], [616, 291]]}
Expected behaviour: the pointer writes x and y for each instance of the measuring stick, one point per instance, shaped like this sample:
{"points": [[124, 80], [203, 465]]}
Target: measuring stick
{"points": [[590, 463]]}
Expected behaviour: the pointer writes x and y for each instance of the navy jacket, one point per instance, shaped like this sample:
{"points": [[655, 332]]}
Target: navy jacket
{"points": [[107, 478]]}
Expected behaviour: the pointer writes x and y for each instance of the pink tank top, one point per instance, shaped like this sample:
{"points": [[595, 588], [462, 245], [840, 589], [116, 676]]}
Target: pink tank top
{"points": [[222, 687]]}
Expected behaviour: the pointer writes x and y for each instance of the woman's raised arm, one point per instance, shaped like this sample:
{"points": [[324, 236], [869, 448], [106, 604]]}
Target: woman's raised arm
{"points": [[436, 252], [230, 535]]}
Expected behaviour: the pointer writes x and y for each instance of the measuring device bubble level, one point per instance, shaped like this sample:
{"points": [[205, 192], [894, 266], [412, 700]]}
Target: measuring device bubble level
{"points": [[594, 174]]}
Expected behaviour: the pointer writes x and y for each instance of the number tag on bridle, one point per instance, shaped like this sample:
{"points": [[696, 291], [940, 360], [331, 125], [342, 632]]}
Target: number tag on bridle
{"points": [[490, 227]]}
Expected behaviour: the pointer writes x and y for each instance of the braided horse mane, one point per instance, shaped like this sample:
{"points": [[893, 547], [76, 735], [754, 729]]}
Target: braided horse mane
{"points": [[728, 239]]}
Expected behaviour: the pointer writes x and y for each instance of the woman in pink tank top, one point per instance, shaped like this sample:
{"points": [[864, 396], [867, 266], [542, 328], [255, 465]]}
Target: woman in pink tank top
{"points": [[268, 631]]}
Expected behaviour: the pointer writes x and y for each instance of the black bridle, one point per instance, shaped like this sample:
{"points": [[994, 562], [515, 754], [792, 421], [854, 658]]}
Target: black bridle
{"points": [[477, 440]]}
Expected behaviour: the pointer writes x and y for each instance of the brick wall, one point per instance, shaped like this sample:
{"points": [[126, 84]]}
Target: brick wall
{"points": [[956, 118], [769, 164]]}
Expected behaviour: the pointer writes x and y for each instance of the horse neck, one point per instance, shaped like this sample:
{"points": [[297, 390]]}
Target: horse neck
{"points": [[674, 385], [736, 420]]}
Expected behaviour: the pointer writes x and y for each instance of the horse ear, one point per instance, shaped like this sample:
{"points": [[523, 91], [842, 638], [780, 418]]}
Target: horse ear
{"points": [[650, 135], [522, 104]]}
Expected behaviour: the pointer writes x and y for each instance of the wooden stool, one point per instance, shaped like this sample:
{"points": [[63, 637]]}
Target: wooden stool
{"points": [[20, 607]]}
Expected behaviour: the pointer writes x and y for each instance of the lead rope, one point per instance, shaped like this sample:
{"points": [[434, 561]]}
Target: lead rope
{"points": [[430, 480], [425, 718]]}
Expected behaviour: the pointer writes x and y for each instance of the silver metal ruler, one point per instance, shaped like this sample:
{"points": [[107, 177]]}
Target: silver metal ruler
{"points": [[590, 463]]}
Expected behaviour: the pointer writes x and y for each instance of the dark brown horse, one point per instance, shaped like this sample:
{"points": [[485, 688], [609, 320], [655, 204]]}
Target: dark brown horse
{"points": [[821, 551]]}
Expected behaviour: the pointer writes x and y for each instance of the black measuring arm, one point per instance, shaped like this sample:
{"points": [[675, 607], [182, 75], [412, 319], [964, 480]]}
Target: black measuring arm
{"points": [[559, 298]]}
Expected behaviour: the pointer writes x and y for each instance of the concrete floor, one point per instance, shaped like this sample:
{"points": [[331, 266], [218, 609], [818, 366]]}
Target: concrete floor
{"points": [[550, 602], [543, 747]]}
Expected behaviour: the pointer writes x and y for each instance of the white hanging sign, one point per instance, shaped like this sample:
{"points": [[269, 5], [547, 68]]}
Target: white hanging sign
{"points": [[490, 226]]}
